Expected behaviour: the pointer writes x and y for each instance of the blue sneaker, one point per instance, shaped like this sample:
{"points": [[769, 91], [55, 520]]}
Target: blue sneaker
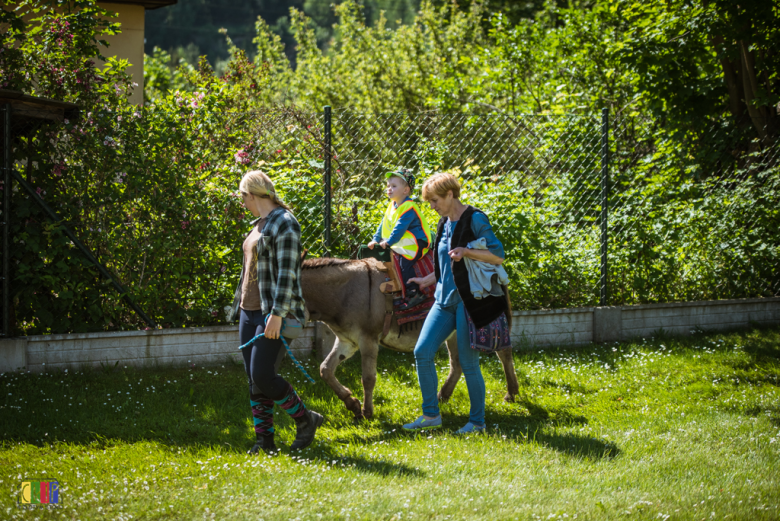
{"points": [[470, 428], [422, 423]]}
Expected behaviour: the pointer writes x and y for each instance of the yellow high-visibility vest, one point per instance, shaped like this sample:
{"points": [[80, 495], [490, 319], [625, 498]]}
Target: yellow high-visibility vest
{"points": [[407, 246]]}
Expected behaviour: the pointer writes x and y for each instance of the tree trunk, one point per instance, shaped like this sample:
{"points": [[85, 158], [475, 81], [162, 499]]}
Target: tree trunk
{"points": [[733, 83], [758, 115]]}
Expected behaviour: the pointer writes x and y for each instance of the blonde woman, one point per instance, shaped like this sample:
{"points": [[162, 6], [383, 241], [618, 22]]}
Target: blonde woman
{"points": [[459, 225], [269, 290]]}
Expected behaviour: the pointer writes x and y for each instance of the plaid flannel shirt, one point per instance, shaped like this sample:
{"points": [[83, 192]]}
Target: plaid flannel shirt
{"points": [[278, 267]]}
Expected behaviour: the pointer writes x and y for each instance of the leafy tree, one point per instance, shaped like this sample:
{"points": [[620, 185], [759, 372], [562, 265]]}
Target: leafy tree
{"points": [[509, 106], [197, 22], [705, 58], [163, 75]]}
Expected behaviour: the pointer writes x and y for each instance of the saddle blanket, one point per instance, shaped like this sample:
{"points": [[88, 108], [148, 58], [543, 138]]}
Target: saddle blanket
{"points": [[422, 268]]}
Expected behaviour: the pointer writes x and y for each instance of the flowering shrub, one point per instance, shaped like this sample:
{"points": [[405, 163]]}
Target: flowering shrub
{"points": [[150, 190]]}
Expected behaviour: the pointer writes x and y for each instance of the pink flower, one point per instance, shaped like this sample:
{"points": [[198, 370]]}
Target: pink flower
{"points": [[242, 157]]}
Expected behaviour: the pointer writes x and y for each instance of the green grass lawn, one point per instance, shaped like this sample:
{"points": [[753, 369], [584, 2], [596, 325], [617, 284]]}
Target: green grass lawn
{"points": [[663, 428]]}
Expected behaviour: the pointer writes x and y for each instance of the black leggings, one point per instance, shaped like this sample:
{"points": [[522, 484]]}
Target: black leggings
{"points": [[262, 358]]}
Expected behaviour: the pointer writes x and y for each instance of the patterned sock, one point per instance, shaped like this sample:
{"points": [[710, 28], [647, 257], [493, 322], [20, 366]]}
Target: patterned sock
{"points": [[292, 405], [263, 415]]}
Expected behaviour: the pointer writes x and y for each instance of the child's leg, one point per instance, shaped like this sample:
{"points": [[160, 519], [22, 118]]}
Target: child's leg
{"points": [[407, 270]]}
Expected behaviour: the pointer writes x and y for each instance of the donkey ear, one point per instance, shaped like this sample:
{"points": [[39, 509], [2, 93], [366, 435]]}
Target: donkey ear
{"points": [[304, 254]]}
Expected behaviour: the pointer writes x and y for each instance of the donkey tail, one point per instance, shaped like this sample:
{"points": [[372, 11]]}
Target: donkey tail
{"points": [[508, 305]]}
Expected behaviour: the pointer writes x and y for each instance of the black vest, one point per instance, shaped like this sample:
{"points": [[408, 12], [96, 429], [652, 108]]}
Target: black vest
{"points": [[482, 311]]}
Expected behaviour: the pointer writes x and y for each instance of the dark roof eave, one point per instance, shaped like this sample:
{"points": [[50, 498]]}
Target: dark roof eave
{"points": [[29, 105], [147, 4]]}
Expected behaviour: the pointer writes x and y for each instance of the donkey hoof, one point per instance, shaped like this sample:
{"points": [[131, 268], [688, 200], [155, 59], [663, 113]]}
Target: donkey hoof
{"points": [[509, 398], [368, 414], [444, 398], [353, 405]]}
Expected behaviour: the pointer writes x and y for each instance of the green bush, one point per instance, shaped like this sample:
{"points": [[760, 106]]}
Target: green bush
{"points": [[693, 210]]}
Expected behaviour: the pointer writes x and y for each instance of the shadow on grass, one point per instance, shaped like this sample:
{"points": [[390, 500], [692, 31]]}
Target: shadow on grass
{"points": [[534, 428], [569, 444], [379, 467], [189, 407], [202, 407]]}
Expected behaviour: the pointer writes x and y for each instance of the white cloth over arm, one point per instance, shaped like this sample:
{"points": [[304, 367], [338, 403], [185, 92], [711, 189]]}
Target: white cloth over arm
{"points": [[484, 278]]}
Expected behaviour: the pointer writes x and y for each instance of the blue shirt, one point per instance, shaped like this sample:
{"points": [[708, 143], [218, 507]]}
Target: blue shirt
{"points": [[446, 293], [408, 221]]}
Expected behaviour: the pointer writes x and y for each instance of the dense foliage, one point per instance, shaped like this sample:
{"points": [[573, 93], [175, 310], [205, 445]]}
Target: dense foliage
{"points": [[192, 27], [692, 91], [149, 189]]}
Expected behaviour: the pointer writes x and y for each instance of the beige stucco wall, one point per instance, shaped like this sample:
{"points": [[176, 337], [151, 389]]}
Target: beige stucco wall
{"points": [[129, 44]]}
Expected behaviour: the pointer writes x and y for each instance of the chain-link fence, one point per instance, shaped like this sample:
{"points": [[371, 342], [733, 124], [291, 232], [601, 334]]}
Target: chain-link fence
{"points": [[590, 211], [537, 177], [693, 215]]}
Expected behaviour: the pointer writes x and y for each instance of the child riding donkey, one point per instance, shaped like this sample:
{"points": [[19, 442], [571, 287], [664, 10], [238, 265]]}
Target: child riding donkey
{"points": [[405, 230]]}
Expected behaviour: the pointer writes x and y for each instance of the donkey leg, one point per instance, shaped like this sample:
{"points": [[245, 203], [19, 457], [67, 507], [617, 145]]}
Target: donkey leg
{"points": [[455, 371], [368, 355], [341, 351], [512, 385]]}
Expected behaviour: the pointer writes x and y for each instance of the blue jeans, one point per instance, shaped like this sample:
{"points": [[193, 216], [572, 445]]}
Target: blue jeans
{"points": [[439, 324]]}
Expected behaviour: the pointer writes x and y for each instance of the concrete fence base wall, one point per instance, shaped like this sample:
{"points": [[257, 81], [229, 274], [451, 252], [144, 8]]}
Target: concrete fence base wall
{"points": [[530, 329], [615, 323], [153, 348]]}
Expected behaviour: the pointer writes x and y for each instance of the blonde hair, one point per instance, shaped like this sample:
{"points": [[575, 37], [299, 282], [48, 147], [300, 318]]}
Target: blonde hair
{"points": [[439, 184], [260, 185]]}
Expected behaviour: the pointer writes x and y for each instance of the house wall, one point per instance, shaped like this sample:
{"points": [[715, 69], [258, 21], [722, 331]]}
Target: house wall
{"points": [[129, 44]]}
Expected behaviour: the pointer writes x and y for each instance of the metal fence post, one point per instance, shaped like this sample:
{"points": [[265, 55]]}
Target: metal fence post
{"points": [[6, 218], [604, 297], [328, 148]]}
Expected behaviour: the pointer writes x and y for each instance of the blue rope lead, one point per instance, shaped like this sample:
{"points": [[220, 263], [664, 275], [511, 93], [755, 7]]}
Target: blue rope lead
{"points": [[297, 363]]}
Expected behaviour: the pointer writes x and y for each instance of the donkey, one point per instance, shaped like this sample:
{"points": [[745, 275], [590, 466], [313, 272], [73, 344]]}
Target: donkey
{"points": [[344, 294]]}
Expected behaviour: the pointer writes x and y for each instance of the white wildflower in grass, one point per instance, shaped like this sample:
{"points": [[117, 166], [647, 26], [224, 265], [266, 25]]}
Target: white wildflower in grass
{"points": [[170, 458]]}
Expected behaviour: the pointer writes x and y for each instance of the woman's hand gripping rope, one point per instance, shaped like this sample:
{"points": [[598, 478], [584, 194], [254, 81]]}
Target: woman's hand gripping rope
{"points": [[286, 346]]}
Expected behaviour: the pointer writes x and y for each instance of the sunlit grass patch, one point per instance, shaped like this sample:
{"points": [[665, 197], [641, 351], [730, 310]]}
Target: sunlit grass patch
{"points": [[651, 429]]}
